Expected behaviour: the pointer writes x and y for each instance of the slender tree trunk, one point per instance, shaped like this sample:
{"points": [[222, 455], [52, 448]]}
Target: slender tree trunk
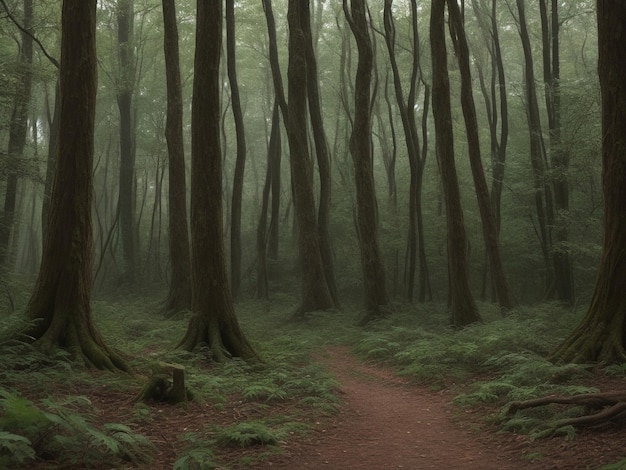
{"points": [[601, 335], [543, 194], [273, 153], [213, 321], [374, 280], [563, 273], [240, 162], [461, 302], [490, 231], [179, 296], [18, 129], [61, 302], [315, 292], [282, 104], [127, 189], [323, 159]]}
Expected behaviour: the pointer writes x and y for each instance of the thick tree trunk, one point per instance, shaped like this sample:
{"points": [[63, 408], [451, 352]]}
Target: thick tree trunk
{"points": [[213, 321], [601, 335], [315, 292], [179, 296], [461, 302], [374, 279], [61, 300], [240, 161], [490, 231]]}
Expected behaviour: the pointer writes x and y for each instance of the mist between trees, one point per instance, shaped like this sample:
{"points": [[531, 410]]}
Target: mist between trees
{"points": [[350, 152]]}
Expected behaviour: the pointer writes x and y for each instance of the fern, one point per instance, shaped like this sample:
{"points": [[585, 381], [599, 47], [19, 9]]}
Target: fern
{"points": [[246, 434]]}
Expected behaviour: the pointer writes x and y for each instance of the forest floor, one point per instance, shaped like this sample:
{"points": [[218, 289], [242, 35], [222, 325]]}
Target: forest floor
{"points": [[384, 422]]}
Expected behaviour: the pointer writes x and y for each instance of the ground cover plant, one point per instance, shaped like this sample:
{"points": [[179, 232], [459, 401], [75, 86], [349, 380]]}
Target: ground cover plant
{"points": [[55, 413]]}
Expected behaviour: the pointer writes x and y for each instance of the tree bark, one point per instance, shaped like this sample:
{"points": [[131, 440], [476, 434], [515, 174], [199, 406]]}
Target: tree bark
{"points": [[240, 162], [179, 296], [374, 279], [543, 193], [323, 159], [601, 335], [213, 321], [127, 197], [461, 302], [490, 231], [60, 303], [315, 292]]}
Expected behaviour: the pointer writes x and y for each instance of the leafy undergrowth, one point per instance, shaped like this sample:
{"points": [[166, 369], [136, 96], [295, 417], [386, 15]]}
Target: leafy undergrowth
{"points": [[54, 414]]}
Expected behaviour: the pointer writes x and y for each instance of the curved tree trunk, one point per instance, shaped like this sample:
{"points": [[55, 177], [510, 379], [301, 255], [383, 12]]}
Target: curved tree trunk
{"points": [[179, 296], [601, 335], [213, 321], [315, 292], [374, 280], [61, 301], [461, 302], [490, 231], [240, 162], [323, 159]]}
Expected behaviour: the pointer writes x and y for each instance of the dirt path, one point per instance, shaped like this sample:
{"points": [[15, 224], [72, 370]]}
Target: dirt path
{"points": [[387, 424]]}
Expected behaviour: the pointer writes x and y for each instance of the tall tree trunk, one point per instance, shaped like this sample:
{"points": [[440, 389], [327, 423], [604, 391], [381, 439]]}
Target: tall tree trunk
{"points": [[315, 292], [53, 142], [601, 335], [461, 302], [18, 129], [323, 159], [213, 321], [240, 162], [490, 231], [61, 301], [563, 273], [374, 280], [179, 296], [543, 194], [416, 162], [127, 190], [282, 104], [273, 153]]}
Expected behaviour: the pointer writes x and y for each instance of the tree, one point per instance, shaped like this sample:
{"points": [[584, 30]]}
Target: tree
{"points": [[461, 302], [17, 131], [490, 231], [60, 304], [179, 297], [315, 291], [374, 280], [125, 86], [323, 158], [601, 335], [213, 321], [240, 161]]}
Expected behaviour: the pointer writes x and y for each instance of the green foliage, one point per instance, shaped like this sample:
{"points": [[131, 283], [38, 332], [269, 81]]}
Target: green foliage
{"points": [[246, 434], [54, 429]]}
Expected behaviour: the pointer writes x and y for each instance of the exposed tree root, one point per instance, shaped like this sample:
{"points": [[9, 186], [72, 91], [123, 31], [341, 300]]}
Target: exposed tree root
{"points": [[608, 406]]}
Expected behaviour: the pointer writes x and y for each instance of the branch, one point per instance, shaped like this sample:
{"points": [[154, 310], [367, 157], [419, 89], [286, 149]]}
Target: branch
{"points": [[21, 28]]}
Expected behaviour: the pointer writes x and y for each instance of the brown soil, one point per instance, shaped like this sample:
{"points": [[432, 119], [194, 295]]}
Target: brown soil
{"points": [[384, 422]]}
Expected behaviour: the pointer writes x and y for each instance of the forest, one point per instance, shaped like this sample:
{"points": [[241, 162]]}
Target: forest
{"points": [[296, 233]]}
